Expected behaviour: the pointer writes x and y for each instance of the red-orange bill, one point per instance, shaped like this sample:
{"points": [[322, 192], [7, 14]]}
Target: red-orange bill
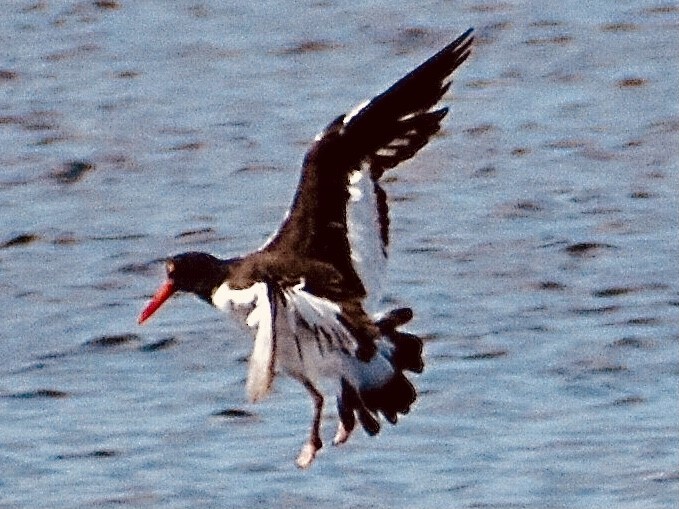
{"points": [[163, 293]]}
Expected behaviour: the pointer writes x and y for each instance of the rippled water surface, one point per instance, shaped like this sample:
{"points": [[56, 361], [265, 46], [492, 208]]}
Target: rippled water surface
{"points": [[536, 239]]}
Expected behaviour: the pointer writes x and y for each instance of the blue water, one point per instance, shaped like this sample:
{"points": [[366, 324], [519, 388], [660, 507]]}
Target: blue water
{"points": [[536, 239]]}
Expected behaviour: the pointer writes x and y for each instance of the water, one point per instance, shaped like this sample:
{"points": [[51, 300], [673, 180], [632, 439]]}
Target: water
{"points": [[536, 240]]}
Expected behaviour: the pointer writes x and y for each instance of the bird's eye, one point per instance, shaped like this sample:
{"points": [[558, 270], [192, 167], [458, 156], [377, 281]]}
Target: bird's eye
{"points": [[169, 267]]}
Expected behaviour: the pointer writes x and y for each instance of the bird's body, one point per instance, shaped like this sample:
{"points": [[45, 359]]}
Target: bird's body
{"points": [[308, 292]]}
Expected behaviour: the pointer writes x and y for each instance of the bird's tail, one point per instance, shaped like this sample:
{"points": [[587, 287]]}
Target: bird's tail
{"points": [[375, 393]]}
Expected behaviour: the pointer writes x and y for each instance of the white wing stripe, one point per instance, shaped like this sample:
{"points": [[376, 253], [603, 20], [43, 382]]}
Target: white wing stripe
{"points": [[365, 239], [386, 152], [399, 142]]}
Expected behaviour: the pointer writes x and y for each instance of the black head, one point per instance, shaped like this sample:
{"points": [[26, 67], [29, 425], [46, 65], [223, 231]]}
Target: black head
{"points": [[194, 272]]}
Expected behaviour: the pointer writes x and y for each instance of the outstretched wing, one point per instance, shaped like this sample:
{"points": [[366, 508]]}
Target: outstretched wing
{"points": [[339, 214]]}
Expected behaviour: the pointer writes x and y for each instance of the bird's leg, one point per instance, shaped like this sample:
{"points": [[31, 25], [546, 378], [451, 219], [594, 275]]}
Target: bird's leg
{"points": [[308, 452], [345, 410]]}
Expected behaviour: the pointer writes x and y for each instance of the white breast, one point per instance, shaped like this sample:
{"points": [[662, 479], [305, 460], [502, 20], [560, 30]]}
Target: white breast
{"points": [[253, 306]]}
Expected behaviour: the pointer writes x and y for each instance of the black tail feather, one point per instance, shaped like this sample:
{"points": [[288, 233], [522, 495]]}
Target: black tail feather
{"points": [[346, 404], [350, 401], [394, 318], [398, 394], [407, 353], [395, 397]]}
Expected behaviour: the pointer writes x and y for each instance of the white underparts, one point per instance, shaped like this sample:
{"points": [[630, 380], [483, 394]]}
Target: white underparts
{"points": [[302, 336], [253, 304]]}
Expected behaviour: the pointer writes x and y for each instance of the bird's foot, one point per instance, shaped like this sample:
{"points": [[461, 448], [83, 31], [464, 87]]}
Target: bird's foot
{"points": [[342, 435], [307, 455]]}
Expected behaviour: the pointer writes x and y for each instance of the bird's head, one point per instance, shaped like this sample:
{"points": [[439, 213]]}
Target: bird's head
{"points": [[197, 273]]}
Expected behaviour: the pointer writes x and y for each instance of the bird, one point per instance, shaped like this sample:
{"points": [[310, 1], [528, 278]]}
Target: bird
{"points": [[310, 295]]}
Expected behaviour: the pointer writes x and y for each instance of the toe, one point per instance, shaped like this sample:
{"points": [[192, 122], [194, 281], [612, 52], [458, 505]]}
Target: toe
{"points": [[342, 435], [306, 455]]}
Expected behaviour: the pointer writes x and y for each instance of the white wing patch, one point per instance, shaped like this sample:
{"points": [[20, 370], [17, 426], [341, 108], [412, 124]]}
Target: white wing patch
{"points": [[326, 346], [316, 342], [316, 312], [253, 305], [368, 253]]}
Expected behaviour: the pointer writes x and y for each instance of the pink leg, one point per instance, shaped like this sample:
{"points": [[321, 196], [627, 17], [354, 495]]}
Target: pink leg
{"points": [[309, 450]]}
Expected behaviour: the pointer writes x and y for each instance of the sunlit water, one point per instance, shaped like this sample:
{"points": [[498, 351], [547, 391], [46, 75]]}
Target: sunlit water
{"points": [[536, 239]]}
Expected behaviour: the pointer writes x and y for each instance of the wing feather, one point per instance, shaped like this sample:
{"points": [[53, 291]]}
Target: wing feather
{"points": [[376, 136], [368, 230], [262, 363]]}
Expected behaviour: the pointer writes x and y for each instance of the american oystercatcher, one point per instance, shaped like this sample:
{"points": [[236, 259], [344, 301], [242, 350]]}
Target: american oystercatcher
{"points": [[307, 292]]}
